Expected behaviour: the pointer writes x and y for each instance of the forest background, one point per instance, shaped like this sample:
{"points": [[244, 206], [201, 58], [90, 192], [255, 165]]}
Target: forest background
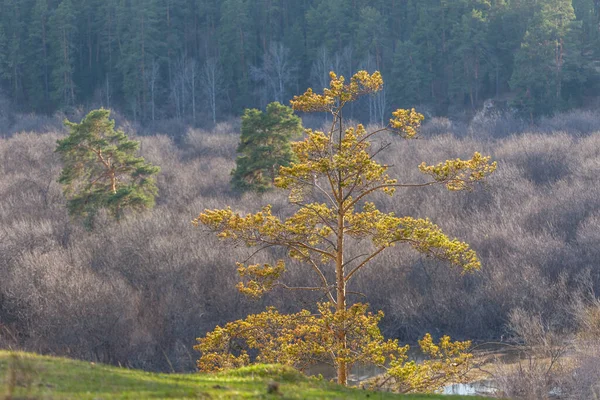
{"points": [[203, 60]]}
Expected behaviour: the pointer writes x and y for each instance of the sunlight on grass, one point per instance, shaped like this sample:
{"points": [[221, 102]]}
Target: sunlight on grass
{"points": [[28, 376]]}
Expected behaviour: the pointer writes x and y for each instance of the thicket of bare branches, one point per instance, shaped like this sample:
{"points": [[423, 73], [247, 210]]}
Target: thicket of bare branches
{"points": [[140, 292]]}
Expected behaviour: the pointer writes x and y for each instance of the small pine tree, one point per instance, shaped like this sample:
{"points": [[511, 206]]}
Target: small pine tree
{"points": [[331, 181], [264, 146], [101, 169]]}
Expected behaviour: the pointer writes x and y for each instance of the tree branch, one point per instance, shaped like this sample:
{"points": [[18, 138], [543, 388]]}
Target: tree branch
{"points": [[312, 289], [394, 185], [257, 251], [362, 264], [319, 273]]}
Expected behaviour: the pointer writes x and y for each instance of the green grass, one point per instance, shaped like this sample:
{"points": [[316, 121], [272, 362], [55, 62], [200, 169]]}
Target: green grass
{"points": [[31, 376]]}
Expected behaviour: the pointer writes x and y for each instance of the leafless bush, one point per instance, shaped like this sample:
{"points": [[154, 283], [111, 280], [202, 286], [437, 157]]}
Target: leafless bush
{"points": [[38, 123], [540, 371], [496, 125], [173, 127], [541, 157], [141, 291], [574, 122], [438, 126], [585, 379], [211, 144]]}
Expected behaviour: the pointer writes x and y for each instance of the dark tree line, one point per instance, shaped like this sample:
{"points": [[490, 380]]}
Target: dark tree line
{"points": [[193, 59]]}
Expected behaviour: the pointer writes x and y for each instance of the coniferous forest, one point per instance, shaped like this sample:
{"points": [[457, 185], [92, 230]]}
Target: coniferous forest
{"points": [[203, 60]]}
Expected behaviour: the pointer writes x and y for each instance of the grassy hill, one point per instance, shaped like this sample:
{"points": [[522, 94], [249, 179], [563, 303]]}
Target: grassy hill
{"points": [[31, 376]]}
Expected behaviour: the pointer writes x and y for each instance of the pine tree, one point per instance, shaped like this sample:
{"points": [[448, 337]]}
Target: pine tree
{"points": [[407, 78], [12, 19], [90, 70], [470, 54], [102, 171], [3, 52], [538, 73], [234, 29], [427, 37], [64, 52], [264, 146], [63, 31], [332, 186], [138, 29], [38, 67], [109, 42], [370, 35]]}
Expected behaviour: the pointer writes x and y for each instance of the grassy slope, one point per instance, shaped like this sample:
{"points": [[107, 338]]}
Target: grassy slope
{"points": [[42, 377]]}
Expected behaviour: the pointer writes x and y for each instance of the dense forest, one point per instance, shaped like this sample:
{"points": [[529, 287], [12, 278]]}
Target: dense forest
{"points": [[201, 60]]}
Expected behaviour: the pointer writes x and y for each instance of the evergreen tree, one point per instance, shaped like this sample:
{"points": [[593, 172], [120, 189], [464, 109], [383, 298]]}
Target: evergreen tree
{"points": [[235, 27], [3, 52], [38, 67], [89, 73], [471, 56], [140, 46], [407, 77], [504, 35], [426, 36], [102, 171], [331, 23], [12, 19], [264, 146], [332, 186], [370, 35], [538, 73], [108, 47], [63, 30]]}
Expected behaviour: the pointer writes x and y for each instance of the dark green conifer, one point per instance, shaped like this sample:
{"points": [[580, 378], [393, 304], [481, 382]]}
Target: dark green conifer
{"points": [[264, 146], [102, 171]]}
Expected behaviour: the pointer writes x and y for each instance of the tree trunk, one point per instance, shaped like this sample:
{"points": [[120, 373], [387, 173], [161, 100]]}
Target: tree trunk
{"points": [[143, 70], [113, 182], [342, 368], [342, 373]]}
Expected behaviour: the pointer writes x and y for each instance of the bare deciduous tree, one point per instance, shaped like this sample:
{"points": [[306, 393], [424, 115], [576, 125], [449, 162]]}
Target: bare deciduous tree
{"points": [[377, 101], [179, 87], [191, 77], [319, 72], [152, 78], [212, 84], [276, 73]]}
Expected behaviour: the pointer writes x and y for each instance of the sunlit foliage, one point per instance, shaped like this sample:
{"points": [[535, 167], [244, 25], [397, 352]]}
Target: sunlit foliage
{"points": [[330, 183]]}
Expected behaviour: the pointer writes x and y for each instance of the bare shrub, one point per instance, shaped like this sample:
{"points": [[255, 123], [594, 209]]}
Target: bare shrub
{"points": [[574, 122], [141, 291], [223, 144], [542, 157], [496, 125], [39, 123], [438, 126], [540, 369], [584, 381], [172, 127], [313, 120], [70, 310]]}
